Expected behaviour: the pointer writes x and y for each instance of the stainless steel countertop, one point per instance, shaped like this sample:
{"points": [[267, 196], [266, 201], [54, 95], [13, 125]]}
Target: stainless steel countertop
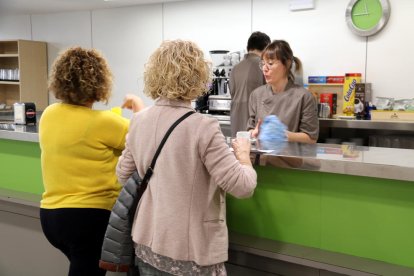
{"points": [[389, 163], [368, 124], [11, 131]]}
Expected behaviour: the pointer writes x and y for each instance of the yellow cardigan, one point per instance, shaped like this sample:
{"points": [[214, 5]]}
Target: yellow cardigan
{"points": [[79, 152]]}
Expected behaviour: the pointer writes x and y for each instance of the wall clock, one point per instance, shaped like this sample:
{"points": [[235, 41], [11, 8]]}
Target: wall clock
{"points": [[367, 17]]}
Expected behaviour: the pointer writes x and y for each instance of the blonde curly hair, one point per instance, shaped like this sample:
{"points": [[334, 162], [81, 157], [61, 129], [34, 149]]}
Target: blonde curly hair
{"points": [[177, 70], [81, 76]]}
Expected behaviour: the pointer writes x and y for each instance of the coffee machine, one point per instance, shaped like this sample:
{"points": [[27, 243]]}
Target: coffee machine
{"points": [[217, 100]]}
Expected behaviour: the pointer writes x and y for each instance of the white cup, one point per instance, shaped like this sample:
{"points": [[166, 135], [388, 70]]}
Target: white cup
{"points": [[243, 134]]}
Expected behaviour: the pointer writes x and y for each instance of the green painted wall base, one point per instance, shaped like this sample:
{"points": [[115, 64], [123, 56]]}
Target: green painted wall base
{"points": [[20, 166], [366, 217]]}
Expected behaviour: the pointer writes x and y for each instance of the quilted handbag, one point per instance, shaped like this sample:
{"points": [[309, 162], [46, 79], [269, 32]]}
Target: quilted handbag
{"points": [[118, 248]]}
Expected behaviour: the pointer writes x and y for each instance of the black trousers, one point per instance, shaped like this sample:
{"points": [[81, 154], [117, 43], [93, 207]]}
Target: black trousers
{"points": [[78, 233]]}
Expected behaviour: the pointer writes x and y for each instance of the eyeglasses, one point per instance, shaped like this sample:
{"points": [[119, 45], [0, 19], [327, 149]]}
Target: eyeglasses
{"points": [[268, 65]]}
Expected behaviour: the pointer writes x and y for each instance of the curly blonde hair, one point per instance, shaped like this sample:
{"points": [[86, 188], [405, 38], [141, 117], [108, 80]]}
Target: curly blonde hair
{"points": [[81, 76], [177, 70]]}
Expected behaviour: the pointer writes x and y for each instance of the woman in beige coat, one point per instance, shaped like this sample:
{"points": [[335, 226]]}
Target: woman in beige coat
{"points": [[180, 226]]}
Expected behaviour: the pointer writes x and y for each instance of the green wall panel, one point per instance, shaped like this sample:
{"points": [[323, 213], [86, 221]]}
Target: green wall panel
{"points": [[368, 217], [360, 216], [285, 206], [20, 166]]}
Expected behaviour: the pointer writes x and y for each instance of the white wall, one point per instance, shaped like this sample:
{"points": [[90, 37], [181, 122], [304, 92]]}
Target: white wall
{"points": [[319, 37], [12, 27], [127, 36], [212, 25]]}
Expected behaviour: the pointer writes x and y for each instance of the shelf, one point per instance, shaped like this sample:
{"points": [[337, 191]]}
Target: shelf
{"points": [[367, 124], [9, 55], [10, 82], [30, 58], [325, 84]]}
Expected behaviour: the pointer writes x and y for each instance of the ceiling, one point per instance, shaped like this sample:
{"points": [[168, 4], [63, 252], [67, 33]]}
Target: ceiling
{"points": [[14, 7]]}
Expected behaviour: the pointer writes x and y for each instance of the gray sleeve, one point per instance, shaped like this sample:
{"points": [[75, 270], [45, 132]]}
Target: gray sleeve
{"points": [[232, 85], [309, 122], [251, 123]]}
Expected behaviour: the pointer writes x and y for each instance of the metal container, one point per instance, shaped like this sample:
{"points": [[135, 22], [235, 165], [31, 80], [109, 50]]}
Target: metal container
{"points": [[219, 103], [324, 111]]}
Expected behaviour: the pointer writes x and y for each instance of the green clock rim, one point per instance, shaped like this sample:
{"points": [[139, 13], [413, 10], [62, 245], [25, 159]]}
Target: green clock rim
{"points": [[379, 26]]}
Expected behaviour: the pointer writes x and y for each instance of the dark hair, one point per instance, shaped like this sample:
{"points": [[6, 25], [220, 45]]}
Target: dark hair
{"points": [[81, 76], [281, 51], [258, 41]]}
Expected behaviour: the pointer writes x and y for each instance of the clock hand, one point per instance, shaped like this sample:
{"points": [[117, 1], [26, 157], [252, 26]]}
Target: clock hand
{"points": [[358, 14], [365, 10], [365, 5]]}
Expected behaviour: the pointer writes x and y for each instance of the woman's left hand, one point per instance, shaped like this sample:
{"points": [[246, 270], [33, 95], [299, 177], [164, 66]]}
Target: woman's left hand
{"points": [[241, 147]]}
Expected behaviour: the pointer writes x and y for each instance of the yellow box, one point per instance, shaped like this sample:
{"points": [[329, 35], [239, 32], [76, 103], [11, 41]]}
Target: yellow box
{"points": [[380, 115], [348, 104]]}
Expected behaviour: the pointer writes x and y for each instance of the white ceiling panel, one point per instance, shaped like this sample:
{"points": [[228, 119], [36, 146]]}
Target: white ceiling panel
{"points": [[52, 6]]}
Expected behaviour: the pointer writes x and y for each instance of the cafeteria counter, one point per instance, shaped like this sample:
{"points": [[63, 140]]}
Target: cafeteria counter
{"points": [[326, 210], [340, 209]]}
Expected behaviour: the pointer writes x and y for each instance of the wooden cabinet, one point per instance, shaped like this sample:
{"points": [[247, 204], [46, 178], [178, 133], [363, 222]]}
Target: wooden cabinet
{"points": [[23, 73]]}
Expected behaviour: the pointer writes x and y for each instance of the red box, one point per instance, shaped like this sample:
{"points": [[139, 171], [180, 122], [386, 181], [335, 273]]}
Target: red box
{"points": [[335, 79], [328, 98]]}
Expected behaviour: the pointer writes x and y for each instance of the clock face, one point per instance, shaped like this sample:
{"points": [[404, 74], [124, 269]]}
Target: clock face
{"points": [[367, 17], [366, 14]]}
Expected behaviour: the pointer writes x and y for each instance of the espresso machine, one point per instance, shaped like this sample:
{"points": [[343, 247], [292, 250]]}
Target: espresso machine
{"points": [[217, 100]]}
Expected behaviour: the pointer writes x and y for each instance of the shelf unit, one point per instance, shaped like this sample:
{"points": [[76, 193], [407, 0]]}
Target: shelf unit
{"points": [[30, 57], [337, 88]]}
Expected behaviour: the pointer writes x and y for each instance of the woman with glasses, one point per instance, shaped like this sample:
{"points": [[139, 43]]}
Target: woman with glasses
{"points": [[292, 104]]}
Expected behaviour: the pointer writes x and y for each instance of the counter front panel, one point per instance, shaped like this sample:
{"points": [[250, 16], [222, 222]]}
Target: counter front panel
{"points": [[360, 216], [20, 166]]}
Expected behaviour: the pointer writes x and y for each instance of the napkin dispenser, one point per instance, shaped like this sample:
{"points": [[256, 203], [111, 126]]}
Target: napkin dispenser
{"points": [[24, 113]]}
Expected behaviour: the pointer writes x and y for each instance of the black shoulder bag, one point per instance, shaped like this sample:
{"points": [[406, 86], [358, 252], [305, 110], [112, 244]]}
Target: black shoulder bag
{"points": [[118, 248]]}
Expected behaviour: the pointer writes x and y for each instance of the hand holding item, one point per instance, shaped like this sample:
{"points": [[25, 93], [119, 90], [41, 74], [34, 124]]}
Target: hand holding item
{"points": [[117, 110], [243, 134], [273, 130], [133, 103], [241, 147], [255, 132]]}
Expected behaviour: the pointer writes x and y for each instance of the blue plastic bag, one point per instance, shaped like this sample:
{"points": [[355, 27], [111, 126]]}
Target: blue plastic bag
{"points": [[272, 130]]}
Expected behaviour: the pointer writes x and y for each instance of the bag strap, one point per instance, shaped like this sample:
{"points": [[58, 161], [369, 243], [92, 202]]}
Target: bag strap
{"points": [[150, 169]]}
